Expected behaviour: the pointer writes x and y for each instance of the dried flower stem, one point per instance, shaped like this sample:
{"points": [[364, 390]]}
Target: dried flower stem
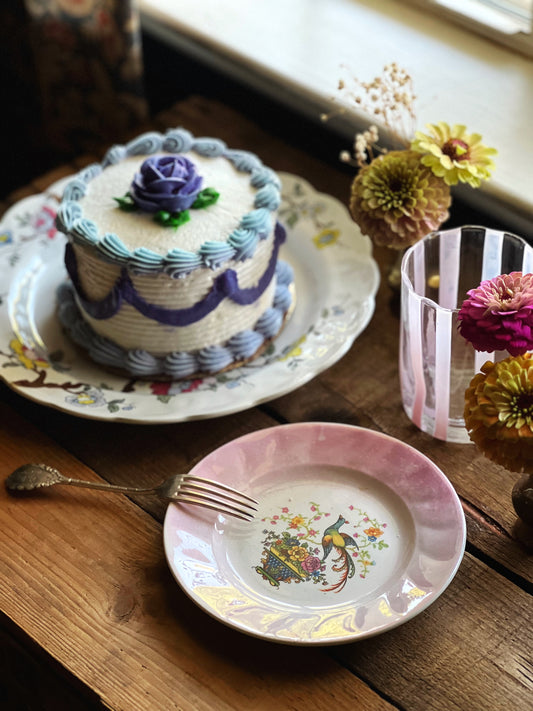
{"points": [[389, 99]]}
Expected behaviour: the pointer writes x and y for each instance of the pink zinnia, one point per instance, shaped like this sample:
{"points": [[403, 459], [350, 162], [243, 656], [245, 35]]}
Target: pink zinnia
{"points": [[498, 315]]}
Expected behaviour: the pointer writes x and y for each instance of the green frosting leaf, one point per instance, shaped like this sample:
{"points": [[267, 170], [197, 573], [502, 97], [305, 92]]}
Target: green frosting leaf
{"points": [[205, 198], [172, 219], [126, 203]]}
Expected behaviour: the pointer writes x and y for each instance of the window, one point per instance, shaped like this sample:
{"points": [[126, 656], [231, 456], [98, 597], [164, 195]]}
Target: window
{"points": [[515, 11], [509, 22]]}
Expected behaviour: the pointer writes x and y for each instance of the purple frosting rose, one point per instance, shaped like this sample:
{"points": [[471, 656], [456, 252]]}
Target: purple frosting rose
{"points": [[168, 183]]}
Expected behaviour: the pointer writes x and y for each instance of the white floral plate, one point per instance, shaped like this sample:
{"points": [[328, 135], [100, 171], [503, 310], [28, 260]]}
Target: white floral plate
{"points": [[356, 534], [336, 279]]}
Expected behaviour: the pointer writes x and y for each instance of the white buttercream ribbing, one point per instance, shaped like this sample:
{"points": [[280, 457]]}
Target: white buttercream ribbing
{"points": [[130, 329]]}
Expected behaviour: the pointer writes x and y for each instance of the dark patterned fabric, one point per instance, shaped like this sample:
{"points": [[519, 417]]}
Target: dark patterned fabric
{"points": [[88, 62]]}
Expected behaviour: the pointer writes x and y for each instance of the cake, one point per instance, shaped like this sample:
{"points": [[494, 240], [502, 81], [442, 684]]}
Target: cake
{"points": [[172, 253]]}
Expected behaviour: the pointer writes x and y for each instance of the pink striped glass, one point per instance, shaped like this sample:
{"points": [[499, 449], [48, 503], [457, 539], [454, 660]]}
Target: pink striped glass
{"points": [[436, 363]]}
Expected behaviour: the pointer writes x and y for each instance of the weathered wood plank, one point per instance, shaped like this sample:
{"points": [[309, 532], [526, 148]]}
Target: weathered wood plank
{"points": [[32, 681], [137, 455], [86, 577], [470, 650], [130, 618]]}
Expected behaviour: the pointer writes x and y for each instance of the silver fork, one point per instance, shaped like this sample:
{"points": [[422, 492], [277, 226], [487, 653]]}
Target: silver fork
{"points": [[185, 488]]}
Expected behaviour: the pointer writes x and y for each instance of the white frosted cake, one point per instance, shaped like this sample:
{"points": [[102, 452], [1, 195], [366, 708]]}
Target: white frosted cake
{"points": [[172, 255]]}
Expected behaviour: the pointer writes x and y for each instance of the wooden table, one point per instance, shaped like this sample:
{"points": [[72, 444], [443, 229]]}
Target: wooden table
{"points": [[92, 617]]}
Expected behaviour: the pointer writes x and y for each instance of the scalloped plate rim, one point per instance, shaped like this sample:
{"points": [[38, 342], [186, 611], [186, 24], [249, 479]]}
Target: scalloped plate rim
{"points": [[360, 252]]}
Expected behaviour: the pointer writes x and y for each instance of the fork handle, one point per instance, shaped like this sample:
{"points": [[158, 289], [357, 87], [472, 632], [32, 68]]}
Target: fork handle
{"points": [[112, 488]]}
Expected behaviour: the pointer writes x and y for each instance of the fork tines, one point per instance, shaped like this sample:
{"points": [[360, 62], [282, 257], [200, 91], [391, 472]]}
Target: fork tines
{"points": [[217, 496]]}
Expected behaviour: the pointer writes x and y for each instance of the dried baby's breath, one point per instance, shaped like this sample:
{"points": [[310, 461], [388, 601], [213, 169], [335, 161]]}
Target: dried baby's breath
{"points": [[389, 98]]}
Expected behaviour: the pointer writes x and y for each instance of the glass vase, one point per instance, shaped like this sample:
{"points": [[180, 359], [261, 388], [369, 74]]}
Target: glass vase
{"points": [[436, 362]]}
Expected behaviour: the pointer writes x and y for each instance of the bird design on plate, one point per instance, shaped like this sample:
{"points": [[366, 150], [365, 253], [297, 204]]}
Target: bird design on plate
{"points": [[300, 548], [335, 539]]}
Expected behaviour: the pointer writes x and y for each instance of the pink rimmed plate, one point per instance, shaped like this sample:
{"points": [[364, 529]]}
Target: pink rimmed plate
{"points": [[356, 534]]}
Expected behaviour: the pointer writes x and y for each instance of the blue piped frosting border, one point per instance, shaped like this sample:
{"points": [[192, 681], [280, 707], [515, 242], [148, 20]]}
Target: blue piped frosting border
{"points": [[241, 243], [179, 364]]}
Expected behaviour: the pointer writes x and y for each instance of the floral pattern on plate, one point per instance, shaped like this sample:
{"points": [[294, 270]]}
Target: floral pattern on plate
{"points": [[300, 552]]}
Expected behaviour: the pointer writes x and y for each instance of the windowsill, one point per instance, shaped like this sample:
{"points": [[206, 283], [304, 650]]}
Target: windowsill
{"points": [[294, 52], [510, 29]]}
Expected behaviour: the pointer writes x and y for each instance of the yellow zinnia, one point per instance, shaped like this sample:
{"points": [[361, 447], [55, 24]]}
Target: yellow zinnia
{"points": [[499, 412], [454, 155], [396, 200]]}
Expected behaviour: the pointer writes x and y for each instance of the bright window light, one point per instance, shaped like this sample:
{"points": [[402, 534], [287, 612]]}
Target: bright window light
{"points": [[507, 21]]}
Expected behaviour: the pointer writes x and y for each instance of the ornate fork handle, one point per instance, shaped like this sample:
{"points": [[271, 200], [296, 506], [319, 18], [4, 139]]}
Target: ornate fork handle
{"points": [[184, 488], [38, 476], [69, 481]]}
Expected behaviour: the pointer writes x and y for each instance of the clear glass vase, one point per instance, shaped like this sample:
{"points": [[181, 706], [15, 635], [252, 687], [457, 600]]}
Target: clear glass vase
{"points": [[436, 362]]}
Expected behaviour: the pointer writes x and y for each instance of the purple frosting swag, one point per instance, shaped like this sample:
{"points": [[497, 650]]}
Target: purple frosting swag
{"points": [[168, 183], [225, 285]]}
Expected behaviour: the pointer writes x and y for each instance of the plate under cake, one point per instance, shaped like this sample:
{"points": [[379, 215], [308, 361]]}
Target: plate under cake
{"points": [[335, 277], [168, 285]]}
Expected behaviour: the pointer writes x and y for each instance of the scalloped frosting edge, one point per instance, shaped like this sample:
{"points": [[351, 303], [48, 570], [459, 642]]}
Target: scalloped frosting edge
{"points": [[240, 245], [226, 285], [179, 364]]}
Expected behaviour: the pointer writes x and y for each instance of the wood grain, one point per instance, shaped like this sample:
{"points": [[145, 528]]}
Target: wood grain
{"points": [[84, 575], [25, 686], [452, 656], [113, 613]]}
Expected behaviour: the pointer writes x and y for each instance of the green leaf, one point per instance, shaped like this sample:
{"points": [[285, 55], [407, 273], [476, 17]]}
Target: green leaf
{"points": [[180, 218], [205, 198], [292, 219], [126, 203], [114, 405], [172, 219]]}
